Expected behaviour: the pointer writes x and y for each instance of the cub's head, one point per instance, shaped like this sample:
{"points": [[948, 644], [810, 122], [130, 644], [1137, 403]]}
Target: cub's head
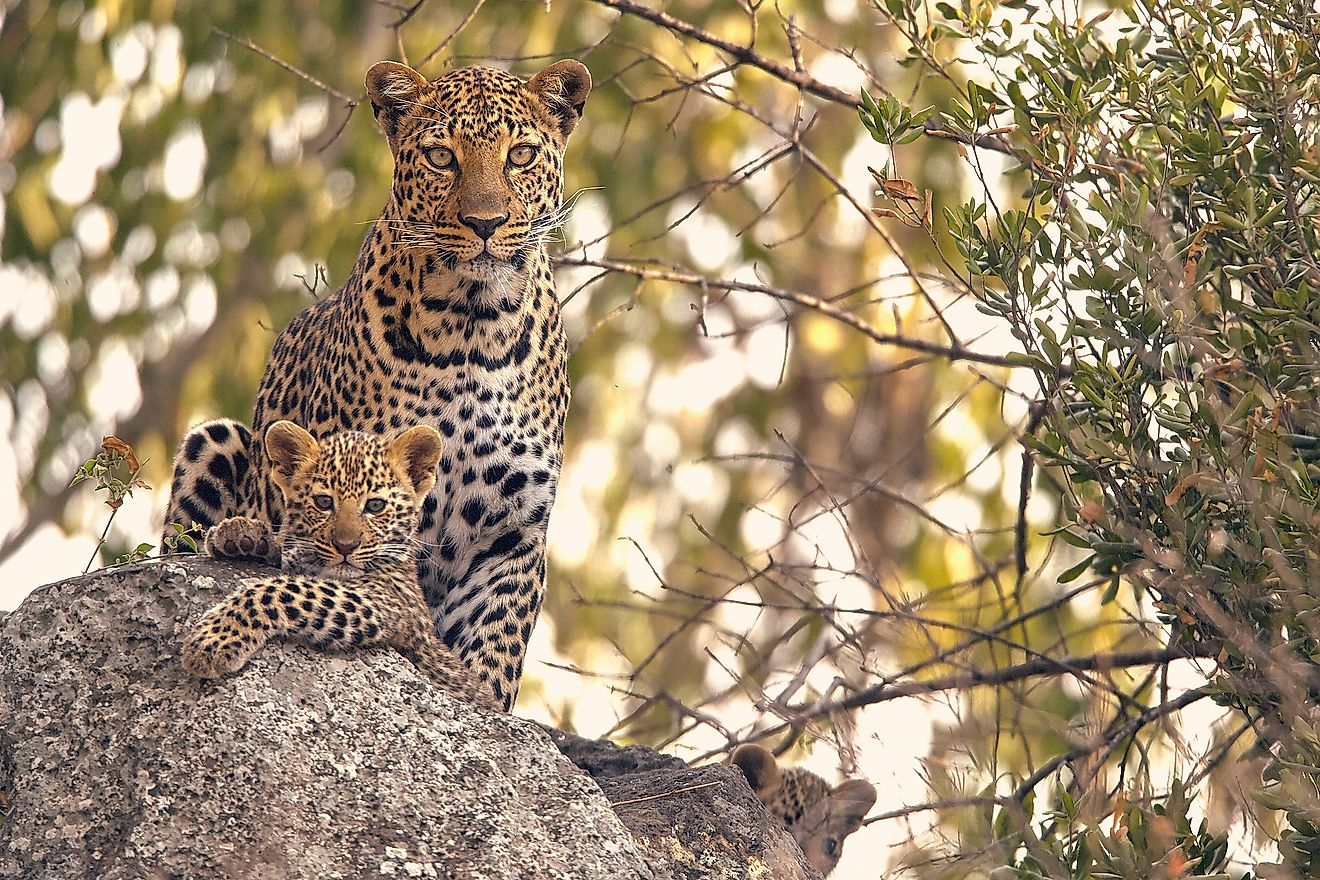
{"points": [[478, 159], [820, 818], [350, 501]]}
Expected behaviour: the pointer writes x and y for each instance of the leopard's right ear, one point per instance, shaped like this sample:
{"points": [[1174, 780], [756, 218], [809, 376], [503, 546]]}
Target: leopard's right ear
{"points": [[394, 89], [759, 766], [290, 449]]}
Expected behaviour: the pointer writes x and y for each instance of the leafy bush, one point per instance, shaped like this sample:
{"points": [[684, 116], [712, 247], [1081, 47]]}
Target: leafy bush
{"points": [[1159, 269]]}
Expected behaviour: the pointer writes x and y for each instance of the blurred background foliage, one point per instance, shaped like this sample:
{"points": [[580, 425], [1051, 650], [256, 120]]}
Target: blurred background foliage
{"points": [[794, 474]]}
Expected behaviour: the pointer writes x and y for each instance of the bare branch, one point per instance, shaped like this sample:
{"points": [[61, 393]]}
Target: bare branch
{"points": [[790, 75], [654, 273], [349, 101]]}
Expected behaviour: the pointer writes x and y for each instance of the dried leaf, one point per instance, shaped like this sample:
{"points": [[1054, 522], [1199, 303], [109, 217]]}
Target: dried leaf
{"points": [[1178, 862], [1223, 368], [898, 188], [112, 444], [1184, 484], [1092, 512], [1195, 252]]}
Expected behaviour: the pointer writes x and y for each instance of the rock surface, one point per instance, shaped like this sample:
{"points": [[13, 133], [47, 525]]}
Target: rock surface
{"points": [[692, 823], [303, 765]]}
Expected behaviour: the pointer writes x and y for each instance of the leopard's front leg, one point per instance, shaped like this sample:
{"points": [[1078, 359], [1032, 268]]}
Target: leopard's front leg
{"points": [[212, 480], [241, 537], [325, 614], [489, 621]]}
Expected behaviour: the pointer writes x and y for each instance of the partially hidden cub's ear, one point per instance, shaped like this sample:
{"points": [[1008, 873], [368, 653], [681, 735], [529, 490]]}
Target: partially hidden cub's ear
{"points": [[393, 88], [759, 766], [290, 449], [416, 452], [849, 803], [562, 89]]}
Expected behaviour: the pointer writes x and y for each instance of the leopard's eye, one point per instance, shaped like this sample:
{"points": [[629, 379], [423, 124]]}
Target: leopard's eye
{"points": [[440, 157], [374, 505], [522, 155], [323, 502]]}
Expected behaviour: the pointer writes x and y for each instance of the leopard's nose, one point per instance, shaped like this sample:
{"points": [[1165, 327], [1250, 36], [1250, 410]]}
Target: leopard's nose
{"points": [[346, 544], [484, 226]]}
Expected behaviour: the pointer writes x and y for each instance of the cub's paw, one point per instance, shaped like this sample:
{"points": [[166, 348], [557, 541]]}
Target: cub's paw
{"points": [[215, 648], [240, 537]]}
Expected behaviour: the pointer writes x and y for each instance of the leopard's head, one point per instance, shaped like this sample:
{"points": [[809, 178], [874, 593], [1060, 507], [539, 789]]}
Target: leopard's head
{"points": [[478, 160], [819, 817], [351, 501]]}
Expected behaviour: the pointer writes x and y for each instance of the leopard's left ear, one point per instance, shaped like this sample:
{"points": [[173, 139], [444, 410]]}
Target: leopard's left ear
{"points": [[416, 452], [562, 88]]}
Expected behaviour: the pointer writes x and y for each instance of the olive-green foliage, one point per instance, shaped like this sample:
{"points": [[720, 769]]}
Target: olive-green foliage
{"points": [[1157, 263]]}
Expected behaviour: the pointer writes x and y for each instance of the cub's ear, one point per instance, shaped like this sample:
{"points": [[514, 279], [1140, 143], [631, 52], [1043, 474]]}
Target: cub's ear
{"points": [[562, 89], [850, 802], [759, 766], [290, 449], [416, 452], [393, 88]]}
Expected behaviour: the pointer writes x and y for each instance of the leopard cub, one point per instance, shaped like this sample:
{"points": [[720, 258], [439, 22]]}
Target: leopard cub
{"points": [[349, 555], [819, 817]]}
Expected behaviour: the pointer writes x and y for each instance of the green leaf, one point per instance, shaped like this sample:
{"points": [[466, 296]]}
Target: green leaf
{"points": [[1076, 571]]}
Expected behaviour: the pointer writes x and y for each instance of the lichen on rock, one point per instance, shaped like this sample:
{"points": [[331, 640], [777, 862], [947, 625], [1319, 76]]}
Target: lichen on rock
{"points": [[120, 765]]}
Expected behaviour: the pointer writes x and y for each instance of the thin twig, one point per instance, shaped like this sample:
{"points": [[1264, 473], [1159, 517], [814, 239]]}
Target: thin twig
{"points": [[296, 71], [664, 794], [652, 273]]}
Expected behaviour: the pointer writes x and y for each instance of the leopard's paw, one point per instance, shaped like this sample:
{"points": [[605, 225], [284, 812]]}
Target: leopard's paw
{"points": [[214, 649], [241, 537]]}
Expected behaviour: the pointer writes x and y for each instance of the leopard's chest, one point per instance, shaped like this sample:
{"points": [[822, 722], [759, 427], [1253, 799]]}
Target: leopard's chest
{"points": [[498, 401], [499, 464]]}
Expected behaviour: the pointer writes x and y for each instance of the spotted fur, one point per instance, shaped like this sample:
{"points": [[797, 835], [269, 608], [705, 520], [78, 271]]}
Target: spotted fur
{"points": [[346, 546], [819, 817], [449, 318]]}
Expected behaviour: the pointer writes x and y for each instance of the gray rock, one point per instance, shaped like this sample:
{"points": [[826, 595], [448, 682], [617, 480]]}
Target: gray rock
{"points": [[694, 823], [303, 765]]}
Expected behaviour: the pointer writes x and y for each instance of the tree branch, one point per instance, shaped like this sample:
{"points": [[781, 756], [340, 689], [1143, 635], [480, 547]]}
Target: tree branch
{"points": [[815, 303], [349, 101], [798, 78]]}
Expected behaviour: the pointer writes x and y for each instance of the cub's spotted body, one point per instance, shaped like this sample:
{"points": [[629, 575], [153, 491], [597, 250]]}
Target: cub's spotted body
{"points": [[819, 817], [347, 549], [449, 318]]}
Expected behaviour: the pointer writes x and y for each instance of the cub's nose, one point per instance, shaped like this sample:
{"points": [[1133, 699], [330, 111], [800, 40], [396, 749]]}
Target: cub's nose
{"points": [[484, 226], [346, 544]]}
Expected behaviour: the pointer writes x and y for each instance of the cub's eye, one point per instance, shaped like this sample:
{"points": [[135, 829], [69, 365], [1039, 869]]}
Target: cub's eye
{"points": [[323, 502], [440, 157], [522, 155], [831, 846], [374, 505]]}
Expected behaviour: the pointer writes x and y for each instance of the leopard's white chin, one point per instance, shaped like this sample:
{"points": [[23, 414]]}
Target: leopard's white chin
{"points": [[343, 571], [495, 273]]}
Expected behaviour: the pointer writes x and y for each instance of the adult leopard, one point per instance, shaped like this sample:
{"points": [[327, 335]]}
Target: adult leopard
{"points": [[449, 318]]}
